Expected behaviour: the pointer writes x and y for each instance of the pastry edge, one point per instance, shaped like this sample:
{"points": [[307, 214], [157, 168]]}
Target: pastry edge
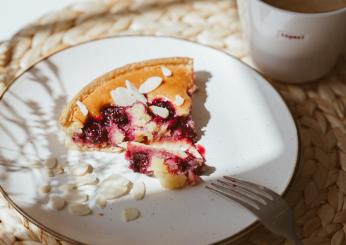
{"points": [[66, 116]]}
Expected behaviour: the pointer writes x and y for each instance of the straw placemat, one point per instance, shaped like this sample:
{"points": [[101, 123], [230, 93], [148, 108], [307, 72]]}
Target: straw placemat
{"points": [[318, 194]]}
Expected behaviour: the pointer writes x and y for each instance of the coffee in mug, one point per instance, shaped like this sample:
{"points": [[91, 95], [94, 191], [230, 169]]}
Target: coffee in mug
{"points": [[308, 6]]}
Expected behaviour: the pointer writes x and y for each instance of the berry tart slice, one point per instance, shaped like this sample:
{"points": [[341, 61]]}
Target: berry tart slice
{"points": [[143, 108]]}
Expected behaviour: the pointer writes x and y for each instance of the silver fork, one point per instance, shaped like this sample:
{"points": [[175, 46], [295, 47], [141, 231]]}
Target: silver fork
{"points": [[270, 208]]}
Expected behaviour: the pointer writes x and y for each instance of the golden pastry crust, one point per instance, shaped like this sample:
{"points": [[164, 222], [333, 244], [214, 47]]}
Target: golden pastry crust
{"points": [[97, 93]]}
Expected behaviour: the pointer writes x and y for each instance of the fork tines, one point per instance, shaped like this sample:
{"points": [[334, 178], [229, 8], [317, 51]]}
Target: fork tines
{"points": [[249, 195]]}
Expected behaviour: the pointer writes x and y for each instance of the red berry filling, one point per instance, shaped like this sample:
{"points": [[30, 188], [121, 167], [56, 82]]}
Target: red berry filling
{"points": [[96, 130], [93, 133], [201, 149], [139, 162], [181, 127], [115, 115], [177, 165], [140, 158]]}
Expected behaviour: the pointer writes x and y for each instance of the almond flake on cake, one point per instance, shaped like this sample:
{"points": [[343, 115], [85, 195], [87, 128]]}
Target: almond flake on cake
{"points": [[82, 108], [178, 100], [159, 111], [150, 84], [166, 72]]}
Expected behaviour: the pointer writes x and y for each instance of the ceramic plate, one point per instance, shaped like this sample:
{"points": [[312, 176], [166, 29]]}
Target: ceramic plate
{"points": [[242, 121]]}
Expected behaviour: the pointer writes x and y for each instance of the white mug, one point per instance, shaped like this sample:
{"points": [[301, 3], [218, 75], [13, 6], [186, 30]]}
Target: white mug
{"points": [[291, 46]]}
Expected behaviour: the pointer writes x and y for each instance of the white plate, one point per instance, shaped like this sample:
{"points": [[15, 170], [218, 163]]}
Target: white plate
{"points": [[246, 128]]}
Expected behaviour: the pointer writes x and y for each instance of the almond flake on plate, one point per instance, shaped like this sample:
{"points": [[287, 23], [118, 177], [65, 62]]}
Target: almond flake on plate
{"points": [[79, 209], [75, 196], [58, 170], [123, 97], [138, 96], [159, 111], [81, 169], [101, 202], [178, 100], [45, 189], [35, 164], [166, 72], [50, 162], [83, 109], [130, 214], [67, 187], [138, 190], [87, 180], [56, 202], [150, 84], [113, 187], [50, 173]]}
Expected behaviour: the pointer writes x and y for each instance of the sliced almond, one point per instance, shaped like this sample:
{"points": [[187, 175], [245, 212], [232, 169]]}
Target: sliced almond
{"points": [[56, 202], [58, 170], [81, 169], [138, 190], [87, 180], [123, 97], [75, 196], [130, 86], [179, 101], [67, 187], [79, 209], [150, 84], [45, 189], [138, 96], [159, 111], [50, 173], [114, 186], [166, 72], [35, 164], [101, 202], [50, 162], [130, 214], [83, 109]]}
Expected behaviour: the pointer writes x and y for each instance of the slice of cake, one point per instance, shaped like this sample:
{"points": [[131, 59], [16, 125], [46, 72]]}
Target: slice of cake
{"points": [[173, 162], [147, 102]]}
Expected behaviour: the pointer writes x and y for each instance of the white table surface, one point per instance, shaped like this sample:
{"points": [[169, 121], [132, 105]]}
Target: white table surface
{"points": [[15, 14]]}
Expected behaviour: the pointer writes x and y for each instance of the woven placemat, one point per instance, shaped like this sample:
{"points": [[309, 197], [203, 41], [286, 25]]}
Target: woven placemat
{"points": [[318, 194]]}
